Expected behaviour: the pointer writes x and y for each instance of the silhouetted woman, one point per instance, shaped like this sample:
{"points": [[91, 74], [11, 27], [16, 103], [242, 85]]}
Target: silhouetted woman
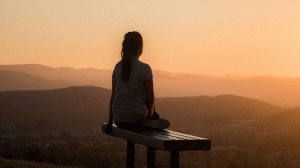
{"points": [[132, 99]]}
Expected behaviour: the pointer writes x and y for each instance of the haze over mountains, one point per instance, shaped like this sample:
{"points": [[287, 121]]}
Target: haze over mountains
{"points": [[67, 98], [250, 125], [80, 107], [14, 80], [287, 120], [279, 91]]}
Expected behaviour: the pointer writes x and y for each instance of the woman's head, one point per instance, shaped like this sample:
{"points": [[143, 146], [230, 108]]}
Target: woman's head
{"points": [[132, 44], [132, 47]]}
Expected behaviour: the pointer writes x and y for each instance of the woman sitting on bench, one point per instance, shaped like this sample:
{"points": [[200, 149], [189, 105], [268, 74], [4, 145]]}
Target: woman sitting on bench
{"points": [[132, 99]]}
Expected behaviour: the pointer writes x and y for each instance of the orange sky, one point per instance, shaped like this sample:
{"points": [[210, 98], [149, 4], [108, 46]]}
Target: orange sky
{"points": [[215, 37]]}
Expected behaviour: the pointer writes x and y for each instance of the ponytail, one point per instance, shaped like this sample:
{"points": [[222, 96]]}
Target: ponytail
{"points": [[132, 43], [126, 66]]}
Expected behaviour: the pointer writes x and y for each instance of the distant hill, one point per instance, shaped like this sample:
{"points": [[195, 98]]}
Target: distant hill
{"points": [[285, 131], [193, 111], [73, 107], [11, 80], [279, 91], [88, 106], [287, 120], [81, 77]]}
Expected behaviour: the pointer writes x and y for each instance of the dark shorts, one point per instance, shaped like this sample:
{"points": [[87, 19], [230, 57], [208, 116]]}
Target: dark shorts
{"points": [[133, 126], [137, 125]]}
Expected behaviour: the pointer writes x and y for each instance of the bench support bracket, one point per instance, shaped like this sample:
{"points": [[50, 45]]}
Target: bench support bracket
{"points": [[174, 159], [150, 157], [130, 154]]}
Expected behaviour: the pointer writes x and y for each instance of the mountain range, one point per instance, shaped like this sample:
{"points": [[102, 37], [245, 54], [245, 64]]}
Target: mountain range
{"points": [[80, 107], [279, 91]]}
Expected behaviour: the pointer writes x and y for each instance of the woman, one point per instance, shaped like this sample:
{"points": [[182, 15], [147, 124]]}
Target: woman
{"points": [[132, 99]]}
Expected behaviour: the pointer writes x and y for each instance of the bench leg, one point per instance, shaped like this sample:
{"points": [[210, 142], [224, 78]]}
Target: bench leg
{"points": [[130, 154], [174, 159], [150, 157]]}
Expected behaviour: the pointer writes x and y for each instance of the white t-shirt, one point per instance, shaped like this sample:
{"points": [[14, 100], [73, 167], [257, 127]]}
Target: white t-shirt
{"points": [[129, 103]]}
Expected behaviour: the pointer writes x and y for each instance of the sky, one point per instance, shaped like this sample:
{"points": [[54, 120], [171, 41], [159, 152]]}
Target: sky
{"points": [[215, 37]]}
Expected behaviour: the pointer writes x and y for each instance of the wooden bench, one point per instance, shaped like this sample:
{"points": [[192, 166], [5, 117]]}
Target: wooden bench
{"points": [[165, 140]]}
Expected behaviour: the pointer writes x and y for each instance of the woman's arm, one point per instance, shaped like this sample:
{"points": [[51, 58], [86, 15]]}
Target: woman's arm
{"points": [[108, 127], [110, 119], [149, 96]]}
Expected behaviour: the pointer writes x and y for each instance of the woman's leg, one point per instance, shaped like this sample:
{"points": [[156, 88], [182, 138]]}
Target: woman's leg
{"points": [[132, 126], [155, 115], [155, 122]]}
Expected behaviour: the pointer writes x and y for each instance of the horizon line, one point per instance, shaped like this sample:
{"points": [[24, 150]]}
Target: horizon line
{"points": [[225, 75]]}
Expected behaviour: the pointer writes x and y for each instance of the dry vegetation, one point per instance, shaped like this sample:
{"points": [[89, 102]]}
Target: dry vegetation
{"points": [[8, 163]]}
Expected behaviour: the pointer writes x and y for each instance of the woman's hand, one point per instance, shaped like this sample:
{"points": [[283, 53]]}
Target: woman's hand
{"points": [[107, 128]]}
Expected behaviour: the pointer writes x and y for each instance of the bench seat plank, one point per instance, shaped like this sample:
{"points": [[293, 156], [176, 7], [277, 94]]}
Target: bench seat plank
{"points": [[193, 142], [180, 143], [166, 140], [199, 144]]}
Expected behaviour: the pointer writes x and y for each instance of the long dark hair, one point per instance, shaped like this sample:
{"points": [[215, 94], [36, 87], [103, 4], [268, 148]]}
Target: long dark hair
{"points": [[131, 45]]}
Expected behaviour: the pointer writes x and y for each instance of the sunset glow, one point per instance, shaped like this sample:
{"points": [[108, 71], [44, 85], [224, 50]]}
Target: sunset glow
{"points": [[246, 38]]}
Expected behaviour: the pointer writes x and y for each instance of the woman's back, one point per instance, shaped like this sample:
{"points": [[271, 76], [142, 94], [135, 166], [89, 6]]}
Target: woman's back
{"points": [[129, 103], [132, 100]]}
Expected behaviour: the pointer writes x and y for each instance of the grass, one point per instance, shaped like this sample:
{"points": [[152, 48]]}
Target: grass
{"points": [[11, 163]]}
